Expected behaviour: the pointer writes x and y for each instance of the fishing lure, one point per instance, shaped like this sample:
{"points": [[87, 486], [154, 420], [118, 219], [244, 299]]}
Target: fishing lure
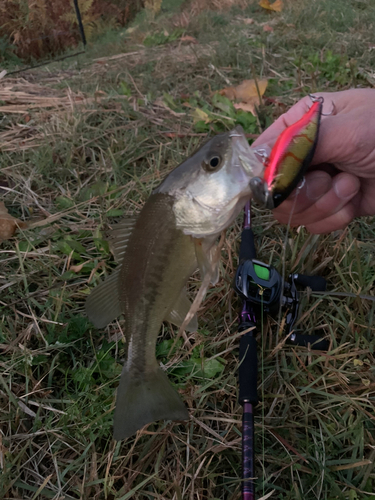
{"points": [[289, 158]]}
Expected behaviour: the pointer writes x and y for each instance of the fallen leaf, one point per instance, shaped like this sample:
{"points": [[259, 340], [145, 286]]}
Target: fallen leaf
{"points": [[78, 268], [188, 39], [9, 224], [248, 20], [246, 106], [200, 115], [246, 91], [276, 6], [267, 28], [100, 93]]}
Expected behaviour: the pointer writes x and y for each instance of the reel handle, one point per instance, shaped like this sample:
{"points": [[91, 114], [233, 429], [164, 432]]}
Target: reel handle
{"points": [[316, 342], [316, 283]]}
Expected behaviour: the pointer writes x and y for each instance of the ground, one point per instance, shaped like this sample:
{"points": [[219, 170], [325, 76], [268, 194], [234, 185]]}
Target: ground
{"points": [[83, 143]]}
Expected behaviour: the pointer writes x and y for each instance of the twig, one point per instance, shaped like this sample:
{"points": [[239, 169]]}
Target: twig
{"points": [[227, 81]]}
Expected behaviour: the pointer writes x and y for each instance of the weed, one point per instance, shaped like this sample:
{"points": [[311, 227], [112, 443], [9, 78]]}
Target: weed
{"points": [[112, 128]]}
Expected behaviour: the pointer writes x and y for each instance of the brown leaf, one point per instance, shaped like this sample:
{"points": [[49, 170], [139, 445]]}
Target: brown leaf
{"points": [[248, 20], [247, 106], [246, 91], [188, 39], [276, 6], [267, 28], [77, 268], [9, 224]]}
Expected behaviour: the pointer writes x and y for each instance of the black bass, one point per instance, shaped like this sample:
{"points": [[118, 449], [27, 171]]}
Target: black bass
{"points": [[173, 235]]}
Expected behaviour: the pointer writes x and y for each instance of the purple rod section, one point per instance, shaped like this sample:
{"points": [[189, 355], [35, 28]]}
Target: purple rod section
{"points": [[247, 216], [248, 486]]}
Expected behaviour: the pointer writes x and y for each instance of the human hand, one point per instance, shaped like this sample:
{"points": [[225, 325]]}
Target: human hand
{"points": [[341, 183]]}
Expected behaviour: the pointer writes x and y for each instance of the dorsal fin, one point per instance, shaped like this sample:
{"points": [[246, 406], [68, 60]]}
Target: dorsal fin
{"points": [[119, 235], [103, 304]]}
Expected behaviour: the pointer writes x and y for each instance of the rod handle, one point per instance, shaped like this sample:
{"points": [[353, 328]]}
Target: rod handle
{"points": [[248, 370], [247, 247]]}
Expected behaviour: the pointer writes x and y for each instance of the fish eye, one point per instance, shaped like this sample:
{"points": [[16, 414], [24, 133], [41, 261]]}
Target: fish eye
{"points": [[212, 164]]}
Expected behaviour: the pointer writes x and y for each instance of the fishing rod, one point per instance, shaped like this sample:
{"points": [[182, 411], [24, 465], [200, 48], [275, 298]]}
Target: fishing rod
{"points": [[263, 290], [260, 286]]}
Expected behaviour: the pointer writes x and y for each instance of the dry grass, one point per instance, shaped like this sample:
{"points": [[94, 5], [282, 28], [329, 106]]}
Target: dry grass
{"points": [[110, 132]]}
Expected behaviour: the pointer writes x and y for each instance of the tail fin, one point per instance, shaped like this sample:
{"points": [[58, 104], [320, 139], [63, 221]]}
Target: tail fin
{"points": [[142, 401]]}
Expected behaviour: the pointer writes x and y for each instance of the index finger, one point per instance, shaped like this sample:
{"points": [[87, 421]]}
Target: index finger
{"points": [[269, 136]]}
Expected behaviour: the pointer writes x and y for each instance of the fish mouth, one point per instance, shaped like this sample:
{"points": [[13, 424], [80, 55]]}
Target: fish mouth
{"points": [[238, 131], [217, 209], [245, 156]]}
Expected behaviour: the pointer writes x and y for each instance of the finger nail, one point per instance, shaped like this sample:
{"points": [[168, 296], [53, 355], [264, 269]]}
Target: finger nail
{"points": [[317, 186], [345, 187]]}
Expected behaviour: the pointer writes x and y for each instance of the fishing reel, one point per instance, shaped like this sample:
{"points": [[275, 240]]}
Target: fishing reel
{"points": [[264, 291]]}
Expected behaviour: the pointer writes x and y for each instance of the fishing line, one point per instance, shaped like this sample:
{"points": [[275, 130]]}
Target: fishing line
{"points": [[263, 405], [283, 259]]}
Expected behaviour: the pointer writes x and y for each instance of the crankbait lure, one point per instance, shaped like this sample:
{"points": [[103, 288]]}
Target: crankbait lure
{"points": [[289, 158]]}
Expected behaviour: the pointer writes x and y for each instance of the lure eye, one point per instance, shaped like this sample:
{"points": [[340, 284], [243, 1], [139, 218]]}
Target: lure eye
{"points": [[212, 164]]}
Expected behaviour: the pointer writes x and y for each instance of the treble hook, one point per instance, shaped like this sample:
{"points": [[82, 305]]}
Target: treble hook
{"points": [[263, 154], [301, 184], [320, 99]]}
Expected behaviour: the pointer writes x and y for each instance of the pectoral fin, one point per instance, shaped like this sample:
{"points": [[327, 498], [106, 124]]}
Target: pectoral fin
{"points": [[103, 304], [179, 311], [204, 251]]}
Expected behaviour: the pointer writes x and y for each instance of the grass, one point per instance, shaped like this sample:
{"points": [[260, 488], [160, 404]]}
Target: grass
{"points": [[88, 164]]}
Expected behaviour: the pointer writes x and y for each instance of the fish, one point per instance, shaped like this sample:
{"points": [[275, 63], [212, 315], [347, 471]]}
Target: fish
{"points": [[174, 234], [289, 159]]}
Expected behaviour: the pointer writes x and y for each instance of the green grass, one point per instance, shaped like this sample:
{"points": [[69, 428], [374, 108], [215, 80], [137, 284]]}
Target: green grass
{"points": [[92, 163]]}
